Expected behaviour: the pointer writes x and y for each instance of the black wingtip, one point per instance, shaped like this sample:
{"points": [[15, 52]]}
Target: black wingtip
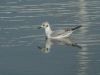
{"points": [[77, 27]]}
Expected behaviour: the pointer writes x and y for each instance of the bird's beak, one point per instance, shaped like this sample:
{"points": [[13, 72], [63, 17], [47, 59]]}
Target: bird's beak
{"points": [[39, 27]]}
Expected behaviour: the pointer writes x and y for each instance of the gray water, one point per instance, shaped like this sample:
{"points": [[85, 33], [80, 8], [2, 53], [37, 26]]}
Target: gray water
{"points": [[22, 45]]}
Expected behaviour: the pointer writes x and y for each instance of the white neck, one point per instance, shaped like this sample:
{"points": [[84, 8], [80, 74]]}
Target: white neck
{"points": [[48, 31]]}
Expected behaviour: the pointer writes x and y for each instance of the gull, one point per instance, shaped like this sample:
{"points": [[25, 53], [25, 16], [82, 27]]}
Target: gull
{"points": [[66, 32]]}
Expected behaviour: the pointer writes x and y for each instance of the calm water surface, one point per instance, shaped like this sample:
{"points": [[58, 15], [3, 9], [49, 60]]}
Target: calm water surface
{"points": [[24, 50]]}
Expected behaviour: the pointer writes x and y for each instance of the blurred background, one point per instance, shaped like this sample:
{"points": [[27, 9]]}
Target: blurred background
{"points": [[20, 39]]}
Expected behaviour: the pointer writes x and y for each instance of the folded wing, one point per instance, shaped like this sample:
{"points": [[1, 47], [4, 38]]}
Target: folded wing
{"points": [[60, 32]]}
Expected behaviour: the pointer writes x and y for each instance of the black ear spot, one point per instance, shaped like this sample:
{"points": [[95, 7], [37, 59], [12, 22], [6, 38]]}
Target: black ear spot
{"points": [[46, 25]]}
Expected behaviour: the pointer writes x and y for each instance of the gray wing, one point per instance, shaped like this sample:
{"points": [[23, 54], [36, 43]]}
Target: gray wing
{"points": [[60, 32]]}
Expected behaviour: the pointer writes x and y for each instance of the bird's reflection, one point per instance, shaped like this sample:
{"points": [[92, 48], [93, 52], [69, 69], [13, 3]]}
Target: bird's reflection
{"points": [[62, 41]]}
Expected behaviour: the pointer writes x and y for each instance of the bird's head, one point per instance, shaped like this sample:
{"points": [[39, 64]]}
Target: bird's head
{"points": [[44, 25]]}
